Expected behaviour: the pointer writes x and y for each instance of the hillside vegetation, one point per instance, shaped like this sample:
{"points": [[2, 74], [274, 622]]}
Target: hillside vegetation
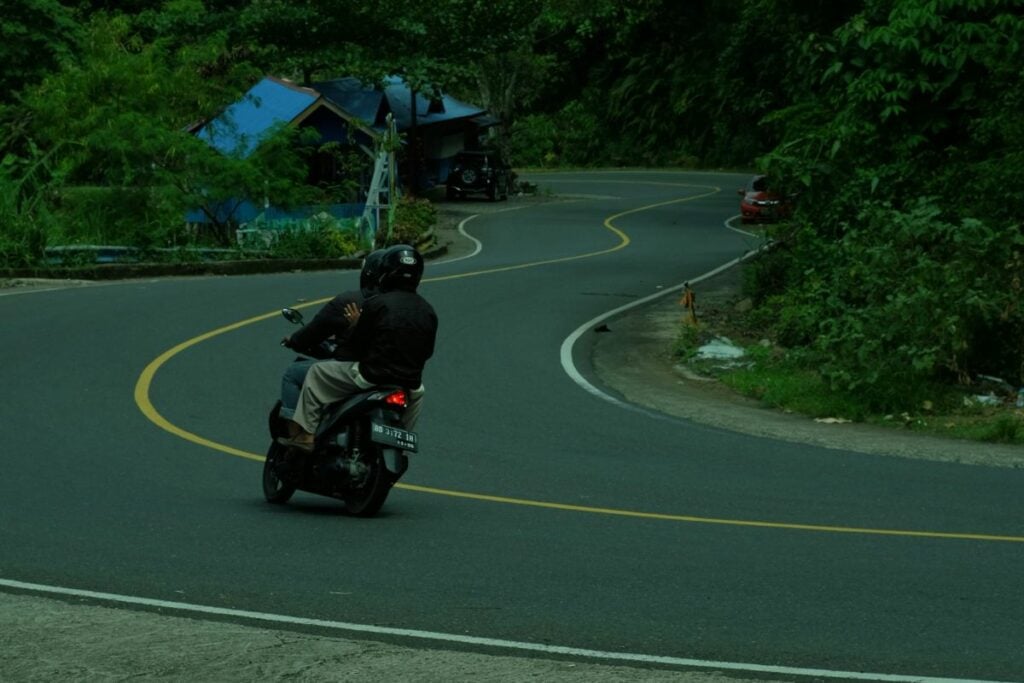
{"points": [[897, 123]]}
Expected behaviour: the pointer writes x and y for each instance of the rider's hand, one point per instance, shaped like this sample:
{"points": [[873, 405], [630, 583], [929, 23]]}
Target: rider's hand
{"points": [[352, 313], [286, 342]]}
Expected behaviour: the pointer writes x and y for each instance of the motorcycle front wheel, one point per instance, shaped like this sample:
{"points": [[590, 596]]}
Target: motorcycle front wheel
{"points": [[274, 489]]}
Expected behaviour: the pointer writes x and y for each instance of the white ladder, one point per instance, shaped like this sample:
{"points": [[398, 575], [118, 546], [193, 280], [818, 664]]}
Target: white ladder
{"points": [[383, 192]]}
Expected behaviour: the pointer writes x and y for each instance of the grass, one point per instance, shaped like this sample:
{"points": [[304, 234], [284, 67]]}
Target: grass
{"points": [[995, 426], [794, 389], [781, 381]]}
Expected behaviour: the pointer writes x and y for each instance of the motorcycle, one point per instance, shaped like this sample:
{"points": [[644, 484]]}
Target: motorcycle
{"points": [[360, 447]]}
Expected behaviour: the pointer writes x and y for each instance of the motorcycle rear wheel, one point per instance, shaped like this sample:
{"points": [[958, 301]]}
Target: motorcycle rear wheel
{"points": [[367, 500], [274, 489]]}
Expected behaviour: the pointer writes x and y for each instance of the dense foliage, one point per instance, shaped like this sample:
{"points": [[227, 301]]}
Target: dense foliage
{"points": [[905, 263], [898, 122]]}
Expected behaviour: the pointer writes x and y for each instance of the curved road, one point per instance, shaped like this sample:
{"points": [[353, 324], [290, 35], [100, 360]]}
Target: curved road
{"points": [[540, 515]]}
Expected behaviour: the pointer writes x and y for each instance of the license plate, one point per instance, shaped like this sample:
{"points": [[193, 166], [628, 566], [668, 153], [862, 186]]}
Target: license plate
{"points": [[393, 436]]}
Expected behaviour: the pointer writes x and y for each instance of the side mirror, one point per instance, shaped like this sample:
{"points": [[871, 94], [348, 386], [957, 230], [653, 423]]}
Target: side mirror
{"points": [[292, 316]]}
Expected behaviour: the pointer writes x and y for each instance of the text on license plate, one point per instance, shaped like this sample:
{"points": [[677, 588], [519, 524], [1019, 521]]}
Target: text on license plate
{"points": [[393, 436]]}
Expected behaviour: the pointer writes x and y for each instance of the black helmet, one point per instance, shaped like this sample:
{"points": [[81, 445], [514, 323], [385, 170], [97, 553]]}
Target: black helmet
{"points": [[370, 277], [402, 268]]}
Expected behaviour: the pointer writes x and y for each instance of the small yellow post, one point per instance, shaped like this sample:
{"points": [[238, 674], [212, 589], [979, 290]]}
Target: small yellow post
{"points": [[690, 301]]}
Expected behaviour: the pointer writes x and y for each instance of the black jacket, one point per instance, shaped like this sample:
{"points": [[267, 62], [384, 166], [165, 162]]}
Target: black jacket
{"points": [[329, 321], [394, 337]]}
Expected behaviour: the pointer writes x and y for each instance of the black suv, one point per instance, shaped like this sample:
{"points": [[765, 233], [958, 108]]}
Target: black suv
{"points": [[479, 172]]}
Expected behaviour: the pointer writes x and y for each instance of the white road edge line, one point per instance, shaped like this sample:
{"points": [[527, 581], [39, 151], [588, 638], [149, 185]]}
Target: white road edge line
{"points": [[624, 657], [462, 231], [479, 245], [19, 291], [570, 341], [728, 222], [33, 290]]}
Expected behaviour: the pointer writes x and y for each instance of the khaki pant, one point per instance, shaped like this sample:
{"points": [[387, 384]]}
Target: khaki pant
{"points": [[330, 381]]}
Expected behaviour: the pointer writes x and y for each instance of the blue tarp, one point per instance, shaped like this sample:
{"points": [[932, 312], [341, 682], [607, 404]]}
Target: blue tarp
{"points": [[245, 212]]}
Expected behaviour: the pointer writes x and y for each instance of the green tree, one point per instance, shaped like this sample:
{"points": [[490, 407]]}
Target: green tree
{"points": [[519, 52], [312, 40], [693, 80], [115, 125], [36, 36], [906, 259]]}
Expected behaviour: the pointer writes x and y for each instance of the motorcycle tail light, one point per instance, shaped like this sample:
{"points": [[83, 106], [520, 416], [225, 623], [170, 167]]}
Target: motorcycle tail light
{"points": [[396, 398]]}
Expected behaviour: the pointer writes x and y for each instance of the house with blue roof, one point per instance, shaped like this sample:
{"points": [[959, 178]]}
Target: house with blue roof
{"points": [[354, 115], [444, 125], [274, 102]]}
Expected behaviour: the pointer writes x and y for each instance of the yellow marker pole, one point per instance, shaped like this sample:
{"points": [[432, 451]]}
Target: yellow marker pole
{"points": [[690, 301]]}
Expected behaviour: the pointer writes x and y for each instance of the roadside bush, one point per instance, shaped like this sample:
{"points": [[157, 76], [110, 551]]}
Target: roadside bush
{"points": [[792, 313], [24, 220], [580, 141], [322, 240], [908, 299], [125, 216], [412, 219], [687, 342], [1005, 429], [23, 240], [573, 137], [532, 141]]}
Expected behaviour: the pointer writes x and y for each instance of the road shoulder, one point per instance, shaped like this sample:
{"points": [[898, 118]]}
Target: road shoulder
{"points": [[635, 360]]}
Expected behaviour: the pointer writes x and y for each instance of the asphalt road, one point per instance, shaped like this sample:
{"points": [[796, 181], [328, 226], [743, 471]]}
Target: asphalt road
{"points": [[537, 513]]}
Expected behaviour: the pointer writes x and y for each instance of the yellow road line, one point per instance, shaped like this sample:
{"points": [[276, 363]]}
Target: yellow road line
{"points": [[708, 520], [608, 223], [145, 381]]}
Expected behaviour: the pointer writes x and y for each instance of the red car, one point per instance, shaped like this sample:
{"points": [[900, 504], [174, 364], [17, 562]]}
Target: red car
{"points": [[760, 204]]}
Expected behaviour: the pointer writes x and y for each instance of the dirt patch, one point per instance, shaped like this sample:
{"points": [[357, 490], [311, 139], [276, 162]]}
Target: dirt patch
{"points": [[28, 284], [636, 360], [42, 639]]}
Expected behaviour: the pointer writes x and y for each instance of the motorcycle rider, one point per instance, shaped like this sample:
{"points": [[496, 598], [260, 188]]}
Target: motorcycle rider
{"points": [[392, 337], [330, 322]]}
